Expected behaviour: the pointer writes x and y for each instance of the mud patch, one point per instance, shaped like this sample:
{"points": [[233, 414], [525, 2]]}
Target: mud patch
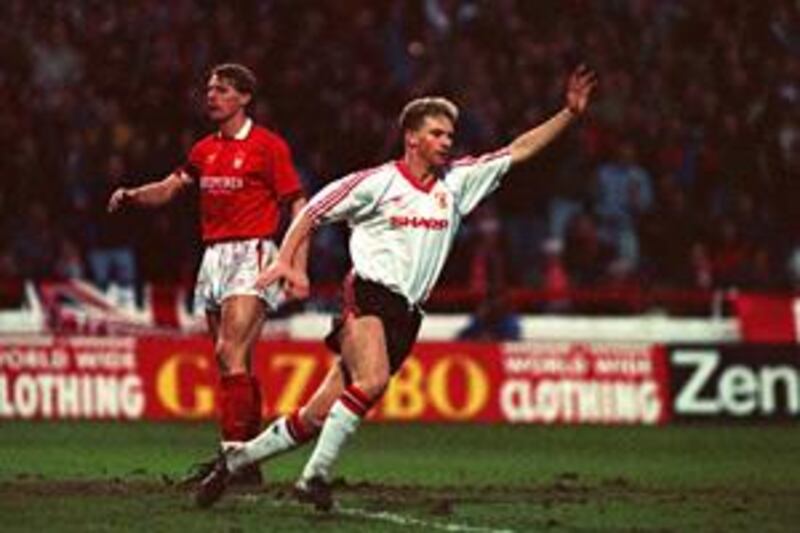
{"points": [[566, 489]]}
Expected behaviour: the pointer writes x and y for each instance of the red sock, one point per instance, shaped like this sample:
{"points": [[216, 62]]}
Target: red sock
{"points": [[254, 426], [299, 431], [238, 403], [357, 400]]}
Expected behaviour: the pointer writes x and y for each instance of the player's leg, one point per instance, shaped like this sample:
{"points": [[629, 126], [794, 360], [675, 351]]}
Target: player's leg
{"points": [[199, 470], [244, 310], [313, 414], [284, 434], [290, 431], [365, 356], [241, 321], [213, 319]]}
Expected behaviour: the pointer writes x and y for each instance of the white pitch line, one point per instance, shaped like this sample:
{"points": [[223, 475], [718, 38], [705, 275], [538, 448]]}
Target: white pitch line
{"points": [[392, 518], [410, 521]]}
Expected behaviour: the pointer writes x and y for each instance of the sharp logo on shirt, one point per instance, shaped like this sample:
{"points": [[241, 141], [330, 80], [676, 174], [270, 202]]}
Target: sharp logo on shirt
{"points": [[402, 221], [221, 183]]}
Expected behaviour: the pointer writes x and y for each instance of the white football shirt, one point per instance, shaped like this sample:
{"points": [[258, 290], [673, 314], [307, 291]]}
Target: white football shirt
{"points": [[402, 230]]}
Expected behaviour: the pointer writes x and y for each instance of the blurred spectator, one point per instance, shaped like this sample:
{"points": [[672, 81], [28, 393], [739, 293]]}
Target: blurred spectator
{"points": [[729, 254], [624, 193], [69, 263], [668, 232], [109, 238], [555, 280], [587, 258], [35, 243], [493, 319], [487, 268], [57, 64], [702, 268], [706, 92], [569, 180], [8, 266]]}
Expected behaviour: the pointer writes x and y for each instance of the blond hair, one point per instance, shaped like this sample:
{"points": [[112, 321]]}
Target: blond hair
{"points": [[415, 112]]}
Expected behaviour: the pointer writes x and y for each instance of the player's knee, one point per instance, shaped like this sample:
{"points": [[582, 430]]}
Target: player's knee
{"points": [[229, 358]]}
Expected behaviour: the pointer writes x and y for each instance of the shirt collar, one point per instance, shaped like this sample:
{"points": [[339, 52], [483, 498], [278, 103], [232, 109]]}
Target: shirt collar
{"points": [[414, 180], [243, 132]]}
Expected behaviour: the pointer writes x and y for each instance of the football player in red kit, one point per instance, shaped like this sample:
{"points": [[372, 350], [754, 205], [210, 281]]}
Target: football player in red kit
{"points": [[244, 173]]}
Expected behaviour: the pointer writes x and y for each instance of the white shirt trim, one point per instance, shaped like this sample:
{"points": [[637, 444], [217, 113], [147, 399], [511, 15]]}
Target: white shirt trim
{"points": [[243, 132]]}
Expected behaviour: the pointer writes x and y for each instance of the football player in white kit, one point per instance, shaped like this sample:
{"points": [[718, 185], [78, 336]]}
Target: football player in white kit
{"points": [[403, 217]]}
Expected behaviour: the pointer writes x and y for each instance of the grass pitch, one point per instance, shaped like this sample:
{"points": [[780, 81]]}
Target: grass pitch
{"points": [[470, 478]]}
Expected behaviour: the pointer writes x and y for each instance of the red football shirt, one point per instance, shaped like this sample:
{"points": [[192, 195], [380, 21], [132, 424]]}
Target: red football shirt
{"points": [[242, 180]]}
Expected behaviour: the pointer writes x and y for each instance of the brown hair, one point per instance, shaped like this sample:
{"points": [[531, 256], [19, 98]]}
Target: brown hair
{"points": [[415, 112], [239, 76]]}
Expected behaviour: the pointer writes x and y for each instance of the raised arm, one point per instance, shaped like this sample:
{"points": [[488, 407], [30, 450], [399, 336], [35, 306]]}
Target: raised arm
{"points": [[579, 89], [151, 194]]}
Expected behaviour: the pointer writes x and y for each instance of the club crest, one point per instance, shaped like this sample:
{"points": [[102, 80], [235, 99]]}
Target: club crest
{"points": [[238, 160], [441, 200]]}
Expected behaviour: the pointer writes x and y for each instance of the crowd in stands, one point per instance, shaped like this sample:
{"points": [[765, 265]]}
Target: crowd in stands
{"points": [[683, 175]]}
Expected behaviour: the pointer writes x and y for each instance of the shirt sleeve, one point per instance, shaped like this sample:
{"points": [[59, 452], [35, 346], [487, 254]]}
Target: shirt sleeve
{"points": [[348, 198], [285, 178], [472, 179], [192, 166]]}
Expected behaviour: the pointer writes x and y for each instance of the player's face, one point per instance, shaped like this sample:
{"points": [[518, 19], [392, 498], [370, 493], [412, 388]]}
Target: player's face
{"points": [[434, 140], [223, 101]]}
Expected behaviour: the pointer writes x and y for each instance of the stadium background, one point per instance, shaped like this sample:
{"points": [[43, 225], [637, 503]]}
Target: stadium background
{"points": [[694, 131], [661, 230]]}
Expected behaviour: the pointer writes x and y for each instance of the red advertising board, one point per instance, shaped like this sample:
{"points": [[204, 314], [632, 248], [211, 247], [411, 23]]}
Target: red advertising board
{"points": [[71, 377], [768, 318], [593, 383], [160, 378]]}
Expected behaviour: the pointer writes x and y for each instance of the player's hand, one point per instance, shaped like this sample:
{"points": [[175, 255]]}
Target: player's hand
{"points": [[119, 198], [300, 288], [294, 281], [579, 89]]}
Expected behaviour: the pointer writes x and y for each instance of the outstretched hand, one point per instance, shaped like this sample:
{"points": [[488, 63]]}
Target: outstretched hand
{"points": [[295, 282], [579, 88], [119, 198]]}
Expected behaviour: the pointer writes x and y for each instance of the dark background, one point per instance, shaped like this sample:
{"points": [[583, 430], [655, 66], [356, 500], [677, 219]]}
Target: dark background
{"points": [[683, 176]]}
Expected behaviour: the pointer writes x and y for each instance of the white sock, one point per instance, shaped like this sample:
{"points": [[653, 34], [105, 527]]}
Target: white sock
{"points": [[272, 441], [339, 425]]}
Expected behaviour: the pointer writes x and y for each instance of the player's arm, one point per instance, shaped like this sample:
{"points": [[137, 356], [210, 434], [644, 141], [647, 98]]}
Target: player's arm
{"points": [[342, 199], [579, 89], [299, 260], [294, 250], [151, 194], [300, 257]]}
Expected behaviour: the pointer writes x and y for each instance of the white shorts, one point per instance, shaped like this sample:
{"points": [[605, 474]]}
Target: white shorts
{"points": [[230, 268]]}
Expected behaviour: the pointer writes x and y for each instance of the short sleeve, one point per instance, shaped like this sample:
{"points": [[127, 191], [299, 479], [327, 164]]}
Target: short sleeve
{"points": [[192, 166], [472, 179], [348, 198], [285, 177]]}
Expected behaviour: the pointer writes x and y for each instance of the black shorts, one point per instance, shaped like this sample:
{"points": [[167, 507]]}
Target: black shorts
{"points": [[400, 323]]}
